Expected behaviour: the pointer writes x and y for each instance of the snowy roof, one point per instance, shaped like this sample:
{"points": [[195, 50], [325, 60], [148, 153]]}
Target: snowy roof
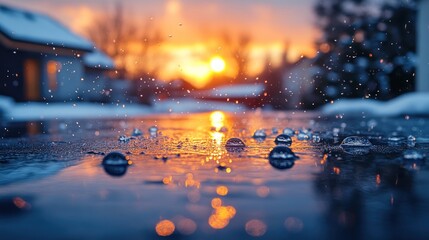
{"points": [[239, 90], [97, 59], [24, 26]]}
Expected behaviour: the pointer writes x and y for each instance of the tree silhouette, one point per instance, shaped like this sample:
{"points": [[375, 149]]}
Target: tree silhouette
{"points": [[367, 49]]}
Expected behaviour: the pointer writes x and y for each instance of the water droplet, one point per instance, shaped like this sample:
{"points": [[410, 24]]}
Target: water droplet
{"points": [[411, 141], [124, 138], [356, 145], [283, 139], [282, 157], [335, 132], [316, 138], [153, 131], [304, 134], [234, 145], [136, 132], [413, 155], [115, 164], [260, 134], [395, 140], [289, 131], [115, 158], [275, 130]]}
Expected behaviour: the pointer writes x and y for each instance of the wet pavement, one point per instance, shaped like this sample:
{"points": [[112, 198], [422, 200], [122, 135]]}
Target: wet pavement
{"points": [[181, 182]]}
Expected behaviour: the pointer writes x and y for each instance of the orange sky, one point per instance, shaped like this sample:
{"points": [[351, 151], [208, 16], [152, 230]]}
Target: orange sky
{"points": [[192, 29]]}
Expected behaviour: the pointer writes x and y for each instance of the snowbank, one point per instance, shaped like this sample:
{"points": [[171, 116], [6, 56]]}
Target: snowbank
{"points": [[239, 90], [407, 104], [11, 111], [188, 105], [6, 103], [41, 111]]}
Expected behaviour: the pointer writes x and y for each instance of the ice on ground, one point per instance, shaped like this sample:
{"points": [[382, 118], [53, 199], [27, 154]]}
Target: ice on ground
{"points": [[407, 104]]}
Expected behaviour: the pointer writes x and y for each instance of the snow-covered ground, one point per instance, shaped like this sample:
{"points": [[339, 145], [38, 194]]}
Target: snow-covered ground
{"points": [[11, 111], [407, 104]]}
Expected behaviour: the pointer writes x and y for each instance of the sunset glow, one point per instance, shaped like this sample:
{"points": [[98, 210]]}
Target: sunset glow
{"points": [[196, 40], [217, 64]]}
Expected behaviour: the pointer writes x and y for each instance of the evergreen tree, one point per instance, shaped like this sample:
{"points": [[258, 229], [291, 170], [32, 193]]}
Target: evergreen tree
{"points": [[367, 49]]}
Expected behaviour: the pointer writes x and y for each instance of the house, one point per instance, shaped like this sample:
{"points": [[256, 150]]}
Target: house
{"points": [[42, 60], [97, 83]]}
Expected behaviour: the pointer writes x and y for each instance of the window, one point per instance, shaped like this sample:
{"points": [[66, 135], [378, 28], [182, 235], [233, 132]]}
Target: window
{"points": [[53, 68]]}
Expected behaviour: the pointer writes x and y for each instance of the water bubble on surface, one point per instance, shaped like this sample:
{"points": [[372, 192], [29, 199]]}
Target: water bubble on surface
{"points": [[283, 139], [413, 155], [395, 140], [335, 132], [372, 124], [124, 138], [153, 131], [281, 153], [234, 145], [304, 134], [411, 141], [275, 130], [282, 157], [356, 145], [115, 164], [289, 131], [136, 132], [115, 158], [316, 138], [260, 133]]}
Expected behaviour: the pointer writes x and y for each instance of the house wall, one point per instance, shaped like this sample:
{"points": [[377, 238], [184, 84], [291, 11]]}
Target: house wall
{"points": [[95, 82], [70, 72], [12, 72]]}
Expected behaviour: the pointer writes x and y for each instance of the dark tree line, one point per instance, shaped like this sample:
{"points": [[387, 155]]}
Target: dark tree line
{"points": [[367, 49]]}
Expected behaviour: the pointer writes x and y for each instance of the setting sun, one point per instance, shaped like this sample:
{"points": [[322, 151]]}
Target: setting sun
{"points": [[217, 64]]}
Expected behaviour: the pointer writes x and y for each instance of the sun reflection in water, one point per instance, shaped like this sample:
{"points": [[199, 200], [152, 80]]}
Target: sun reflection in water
{"points": [[217, 119], [222, 190], [221, 215], [165, 228]]}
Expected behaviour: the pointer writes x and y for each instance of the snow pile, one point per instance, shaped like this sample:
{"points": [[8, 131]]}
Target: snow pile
{"points": [[97, 59], [239, 90], [410, 104], [6, 104], [188, 105], [42, 111], [11, 111]]}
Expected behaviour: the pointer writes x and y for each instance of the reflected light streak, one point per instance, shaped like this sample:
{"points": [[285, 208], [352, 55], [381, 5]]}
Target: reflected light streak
{"points": [[217, 119]]}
